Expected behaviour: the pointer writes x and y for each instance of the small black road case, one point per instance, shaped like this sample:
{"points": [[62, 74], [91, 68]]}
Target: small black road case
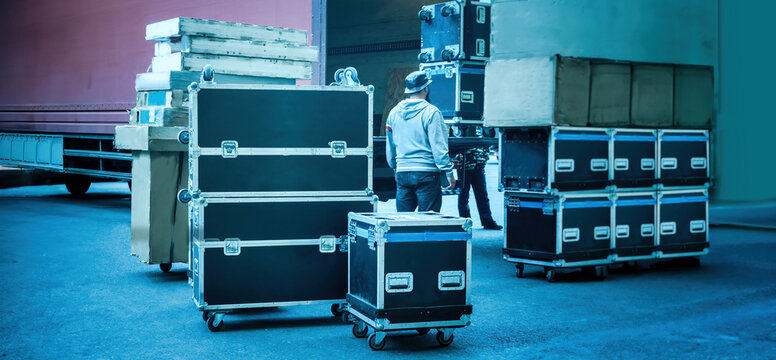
{"points": [[543, 159], [684, 158], [568, 230], [635, 215], [634, 161], [455, 30], [457, 90], [683, 218], [408, 271]]}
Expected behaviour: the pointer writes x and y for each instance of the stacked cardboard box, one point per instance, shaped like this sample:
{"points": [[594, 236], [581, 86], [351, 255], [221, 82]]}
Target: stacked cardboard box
{"points": [[239, 54]]}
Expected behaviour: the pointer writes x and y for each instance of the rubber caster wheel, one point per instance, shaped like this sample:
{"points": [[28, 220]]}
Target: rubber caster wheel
{"points": [[550, 275], [422, 331], [520, 268], [165, 267], [601, 272], [360, 333], [345, 317], [374, 345], [335, 310], [214, 328], [440, 338], [205, 315]]}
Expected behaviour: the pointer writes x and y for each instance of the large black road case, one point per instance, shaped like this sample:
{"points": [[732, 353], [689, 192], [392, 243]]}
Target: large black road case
{"points": [[634, 154], [455, 30], [457, 90], [544, 159], [684, 158], [267, 252], [571, 230], [409, 271], [277, 140], [635, 215], [683, 223]]}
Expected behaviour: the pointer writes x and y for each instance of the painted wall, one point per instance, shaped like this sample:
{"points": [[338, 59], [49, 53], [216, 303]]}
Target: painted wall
{"points": [[79, 57], [746, 120]]}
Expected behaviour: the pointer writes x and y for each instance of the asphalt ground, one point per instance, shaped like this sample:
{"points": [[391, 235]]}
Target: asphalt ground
{"points": [[70, 289]]}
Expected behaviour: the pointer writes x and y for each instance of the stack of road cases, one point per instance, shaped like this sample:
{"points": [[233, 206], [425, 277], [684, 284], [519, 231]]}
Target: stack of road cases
{"points": [[455, 46], [248, 54], [274, 171], [409, 271]]}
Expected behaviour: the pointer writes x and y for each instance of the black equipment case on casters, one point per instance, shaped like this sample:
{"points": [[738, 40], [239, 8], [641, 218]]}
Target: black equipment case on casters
{"points": [[635, 215], [558, 231], [262, 140], [683, 225], [544, 159], [274, 171], [457, 90], [455, 30], [409, 271], [634, 161], [684, 158]]}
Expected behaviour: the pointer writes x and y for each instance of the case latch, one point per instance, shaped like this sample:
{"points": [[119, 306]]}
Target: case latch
{"points": [[451, 280], [229, 149], [339, 149], [328, 244], [231, 246], [398, 282]]}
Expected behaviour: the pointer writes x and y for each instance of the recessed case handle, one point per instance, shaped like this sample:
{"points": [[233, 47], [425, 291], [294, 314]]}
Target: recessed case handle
{"points": [[668, 163], [451, 280], [621, 164], [601, 232], [599, 164], [571, 235], [564, 165], [697, 163], [398, 282], [668, 228], [697, 226]]}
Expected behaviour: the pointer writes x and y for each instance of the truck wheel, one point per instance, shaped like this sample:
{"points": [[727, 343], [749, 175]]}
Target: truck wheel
{"points": [[77, 185]]}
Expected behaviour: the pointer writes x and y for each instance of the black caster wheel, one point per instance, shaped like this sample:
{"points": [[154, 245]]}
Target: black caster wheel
{"points": [[335, 310], [360, 333], [601, 272], [214, 328], [205, 315], [550, 274], [422, 331], [520, 268], [374, 345], [165, 267], [440, 337], [345, 317]]}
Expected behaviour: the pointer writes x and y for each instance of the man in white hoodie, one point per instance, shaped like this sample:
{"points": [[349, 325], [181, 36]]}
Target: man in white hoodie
{"points": [[416, 148]]}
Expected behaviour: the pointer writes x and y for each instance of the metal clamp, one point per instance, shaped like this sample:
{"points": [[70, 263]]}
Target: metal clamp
{"points": [[601, 232], [697, 226], [564, 165], [622, 231], [647, 164], [647, 230], [450, 52], [339, 149], [571, 235], [451, 9], [668, 163], [229, 149], [426, 13], [451, 280], [599, 164], [232, 246], [621, 164], [668, 228], [398, 282], [328, 244], [697, 163]]}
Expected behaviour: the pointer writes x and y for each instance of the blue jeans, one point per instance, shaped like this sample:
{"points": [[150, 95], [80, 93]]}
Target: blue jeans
{"points": [[421, 190], [474, 179]]}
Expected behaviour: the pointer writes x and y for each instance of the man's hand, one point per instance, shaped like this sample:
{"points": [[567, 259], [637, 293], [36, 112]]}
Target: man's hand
{"points": [[451, 182]]}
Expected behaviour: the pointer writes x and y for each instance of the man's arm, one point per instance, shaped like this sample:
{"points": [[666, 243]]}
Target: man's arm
{"points": [[390, 147], [437, 138]]}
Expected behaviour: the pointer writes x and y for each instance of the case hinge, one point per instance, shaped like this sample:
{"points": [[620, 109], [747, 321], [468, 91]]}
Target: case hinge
{"points": [[229, 149], [328, 244], [339, 149]]}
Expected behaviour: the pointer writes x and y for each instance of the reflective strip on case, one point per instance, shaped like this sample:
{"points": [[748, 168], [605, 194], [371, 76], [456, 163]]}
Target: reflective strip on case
{"points": [[586, 204], [427, 236], [684, 199], [647, 138], [582, 137], [636, 202], [684, 138]]}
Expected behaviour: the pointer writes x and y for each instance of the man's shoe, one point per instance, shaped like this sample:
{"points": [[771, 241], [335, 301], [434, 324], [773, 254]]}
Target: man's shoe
{"points": [[492, 227]]}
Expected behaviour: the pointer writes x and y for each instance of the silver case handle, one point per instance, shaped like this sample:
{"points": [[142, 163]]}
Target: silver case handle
{"points": [[599, 164], [601, 232], [668, 228], [571, 235], [451, 280], [398, 282], [622, 231], [668, 163], [564, 165], [622, 164]]}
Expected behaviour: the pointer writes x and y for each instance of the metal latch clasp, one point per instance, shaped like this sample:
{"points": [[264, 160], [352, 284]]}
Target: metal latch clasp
{"points": [[328, 244], [339, 149], [229, 149]]}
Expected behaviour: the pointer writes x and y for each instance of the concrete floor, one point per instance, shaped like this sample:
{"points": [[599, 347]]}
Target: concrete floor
{"points": [[70, 289]]}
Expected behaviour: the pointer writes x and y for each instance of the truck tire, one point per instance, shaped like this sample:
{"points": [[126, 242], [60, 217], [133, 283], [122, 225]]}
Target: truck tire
{"points": [[77, 185]]}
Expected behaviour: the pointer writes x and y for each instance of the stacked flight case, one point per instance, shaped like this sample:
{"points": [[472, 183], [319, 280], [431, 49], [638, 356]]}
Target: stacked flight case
{"points": [[409, 271], [274, 170], [589, 197], [455, 47]]}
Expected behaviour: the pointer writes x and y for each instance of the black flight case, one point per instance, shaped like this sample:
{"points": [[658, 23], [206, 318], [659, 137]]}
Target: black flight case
{"points": [[684, 158], [634, 154], [274, 171], [455, 30], [457, 89], [409, 271], [683, 223]]}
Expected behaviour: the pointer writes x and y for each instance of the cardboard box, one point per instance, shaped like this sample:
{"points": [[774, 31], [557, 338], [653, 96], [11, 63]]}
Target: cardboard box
{"points": [[693, 96], [610, 90], [652, 96]]}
